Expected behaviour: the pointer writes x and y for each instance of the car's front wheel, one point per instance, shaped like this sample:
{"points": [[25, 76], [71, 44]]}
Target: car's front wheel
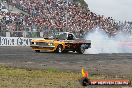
{"points": [[59, 49]]}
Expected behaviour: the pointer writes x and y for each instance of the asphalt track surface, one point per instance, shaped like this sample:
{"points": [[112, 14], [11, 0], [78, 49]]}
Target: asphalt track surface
{"points": [[24, 57]]}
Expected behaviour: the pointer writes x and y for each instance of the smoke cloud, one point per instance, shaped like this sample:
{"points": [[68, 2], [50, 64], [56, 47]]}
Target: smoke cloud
{"points": [[102, 43]]}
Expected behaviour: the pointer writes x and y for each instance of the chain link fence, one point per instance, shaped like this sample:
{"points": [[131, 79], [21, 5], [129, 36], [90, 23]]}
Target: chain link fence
{"points": [[28, 34], [23, 34]]}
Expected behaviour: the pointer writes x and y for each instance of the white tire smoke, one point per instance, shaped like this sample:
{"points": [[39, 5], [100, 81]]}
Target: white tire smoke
{"points": [[101, 43]]}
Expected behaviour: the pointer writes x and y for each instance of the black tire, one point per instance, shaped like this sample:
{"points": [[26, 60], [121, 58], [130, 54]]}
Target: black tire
{"points": [[81, 49], [84, 82], [37, 51], [59, 49]]}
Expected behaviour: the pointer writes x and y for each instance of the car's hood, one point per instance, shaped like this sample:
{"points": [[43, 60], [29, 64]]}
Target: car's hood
{"points": [[42, 40]]}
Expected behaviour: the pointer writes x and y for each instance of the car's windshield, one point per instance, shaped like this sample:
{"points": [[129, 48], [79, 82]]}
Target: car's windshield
{"points": [[59, 36]]}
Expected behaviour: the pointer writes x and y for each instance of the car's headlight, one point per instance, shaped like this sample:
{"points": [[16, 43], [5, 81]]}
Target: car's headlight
{"points": [[34, 43], [50, 44]]}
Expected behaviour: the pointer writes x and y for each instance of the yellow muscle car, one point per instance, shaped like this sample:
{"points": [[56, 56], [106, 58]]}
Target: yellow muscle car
{"points": [[61, 42]]}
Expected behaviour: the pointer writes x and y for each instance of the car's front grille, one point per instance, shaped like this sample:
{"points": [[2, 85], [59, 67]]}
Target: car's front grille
{"points": [[42, 43]]}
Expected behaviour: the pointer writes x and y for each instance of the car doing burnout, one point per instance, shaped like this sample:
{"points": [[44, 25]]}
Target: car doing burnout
{"points": [[61, 42]]}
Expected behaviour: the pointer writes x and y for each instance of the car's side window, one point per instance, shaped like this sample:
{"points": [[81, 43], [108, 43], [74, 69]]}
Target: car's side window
{"points": [[70, 37]]}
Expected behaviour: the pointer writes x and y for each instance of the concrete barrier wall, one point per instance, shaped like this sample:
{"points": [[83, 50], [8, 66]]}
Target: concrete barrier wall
{"points": [[15, 41]]}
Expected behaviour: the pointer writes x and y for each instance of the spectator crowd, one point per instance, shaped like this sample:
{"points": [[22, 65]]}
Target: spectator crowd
{"points": [[125, 27], [57, 15]]}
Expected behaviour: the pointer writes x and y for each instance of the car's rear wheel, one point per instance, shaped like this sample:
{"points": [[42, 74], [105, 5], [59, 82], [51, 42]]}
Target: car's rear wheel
{"points": [[59, 49], [37, 51], [81, 49]]}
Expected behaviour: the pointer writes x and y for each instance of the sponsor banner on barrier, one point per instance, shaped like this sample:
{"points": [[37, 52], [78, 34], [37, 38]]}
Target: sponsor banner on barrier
{"points": [[15, 41], [86, 81]]}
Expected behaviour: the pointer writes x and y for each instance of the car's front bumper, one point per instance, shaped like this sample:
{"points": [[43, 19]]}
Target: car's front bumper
{"points": [[41, 47]]}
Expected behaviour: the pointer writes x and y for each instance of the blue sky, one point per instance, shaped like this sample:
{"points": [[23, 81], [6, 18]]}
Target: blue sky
{"points": [[120, 10]]}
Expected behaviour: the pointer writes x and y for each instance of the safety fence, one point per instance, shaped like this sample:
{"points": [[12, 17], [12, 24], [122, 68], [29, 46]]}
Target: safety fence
{"points": [[24, 34], [31, 34]]}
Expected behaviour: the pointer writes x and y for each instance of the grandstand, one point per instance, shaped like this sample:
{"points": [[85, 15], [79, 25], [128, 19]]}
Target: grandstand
{"points": [[40, 17]]}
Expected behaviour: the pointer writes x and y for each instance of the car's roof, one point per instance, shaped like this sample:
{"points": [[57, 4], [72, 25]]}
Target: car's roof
{"points": [[64, 32]]}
